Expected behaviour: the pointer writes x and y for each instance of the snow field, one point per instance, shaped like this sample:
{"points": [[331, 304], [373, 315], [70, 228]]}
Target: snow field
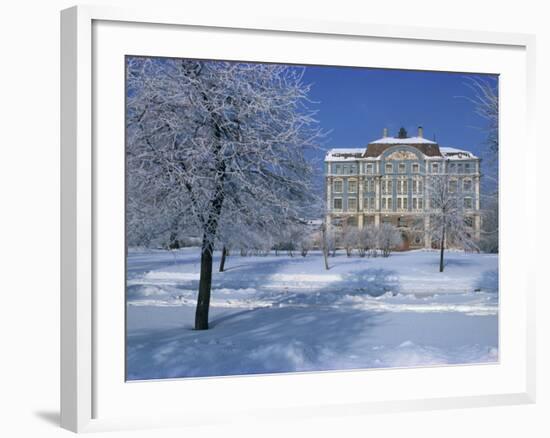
{"points": [[286, 314]]}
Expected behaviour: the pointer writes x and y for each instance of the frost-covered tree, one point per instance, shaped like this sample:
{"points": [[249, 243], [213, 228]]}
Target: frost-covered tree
{"points": [[447, 220], [367, 240], [389, 238], [305, 243], [489, 225], [213, 141], [349, 238], [485, 100], [486, 104], [331, 240], [287, 237], [246, 237]]}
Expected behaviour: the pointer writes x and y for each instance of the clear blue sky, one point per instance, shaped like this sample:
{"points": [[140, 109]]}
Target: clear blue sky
{"points": [[357, 103]]}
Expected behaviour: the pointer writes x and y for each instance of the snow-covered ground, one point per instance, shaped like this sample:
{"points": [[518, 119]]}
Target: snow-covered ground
{"points": [[285, 314]]}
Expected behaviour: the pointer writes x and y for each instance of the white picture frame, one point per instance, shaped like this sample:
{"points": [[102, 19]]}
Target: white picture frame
{"points": [[83, 370]]}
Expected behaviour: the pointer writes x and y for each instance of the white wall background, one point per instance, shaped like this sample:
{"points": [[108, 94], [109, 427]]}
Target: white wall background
{"points": [[29, 216]]}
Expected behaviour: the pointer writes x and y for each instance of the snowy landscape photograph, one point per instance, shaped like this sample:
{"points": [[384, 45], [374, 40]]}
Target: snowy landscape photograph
{"points": [[302, 218]]}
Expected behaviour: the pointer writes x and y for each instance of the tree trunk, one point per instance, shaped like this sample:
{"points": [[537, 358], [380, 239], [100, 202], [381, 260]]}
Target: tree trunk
{"points": [[173, 242], [325, 249], [210, 229], [222, 261], [205, 283], [325, 257], [441, 265]]}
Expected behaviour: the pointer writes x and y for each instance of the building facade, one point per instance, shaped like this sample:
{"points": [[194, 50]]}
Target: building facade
{"points": [[386, 182]]}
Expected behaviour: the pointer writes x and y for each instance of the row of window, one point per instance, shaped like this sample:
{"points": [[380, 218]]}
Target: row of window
{"points": [[401, 203], [402, 186], [459, 168], [352, 169], [404, 222], [345, 169]]}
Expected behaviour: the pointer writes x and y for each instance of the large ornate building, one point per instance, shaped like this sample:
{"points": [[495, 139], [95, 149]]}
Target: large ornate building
{"points": [[387, 182]]}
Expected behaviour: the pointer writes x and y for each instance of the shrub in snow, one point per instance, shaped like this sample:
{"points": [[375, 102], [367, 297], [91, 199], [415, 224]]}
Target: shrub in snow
{"points": [[367, 239], [389, 238], [349, 236]]}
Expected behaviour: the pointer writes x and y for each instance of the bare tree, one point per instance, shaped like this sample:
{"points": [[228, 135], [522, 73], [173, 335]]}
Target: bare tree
{"points": [[349, 238], [447, 220], [304, 238], [367, 240], [212, 141], [245, 236], [389, 237], [490, 224], [486, 103], [325, 243], [287, 237], [332, 240]]}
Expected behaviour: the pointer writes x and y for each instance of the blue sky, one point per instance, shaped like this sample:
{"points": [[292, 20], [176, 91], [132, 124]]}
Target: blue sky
{"points": [[357, 103]]}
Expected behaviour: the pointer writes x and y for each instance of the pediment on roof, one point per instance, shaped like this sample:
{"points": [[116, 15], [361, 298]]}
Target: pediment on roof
{"points": [[402, 155], [420, 150]]}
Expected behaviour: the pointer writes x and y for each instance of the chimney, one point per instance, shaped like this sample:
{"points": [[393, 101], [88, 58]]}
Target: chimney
{"points": [[420, 132], [385, 133]]}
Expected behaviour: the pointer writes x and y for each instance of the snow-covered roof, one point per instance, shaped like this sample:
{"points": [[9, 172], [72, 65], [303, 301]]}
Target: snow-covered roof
{"points": [[397, 140], [456, 153], [430, 150], [343, 154]]}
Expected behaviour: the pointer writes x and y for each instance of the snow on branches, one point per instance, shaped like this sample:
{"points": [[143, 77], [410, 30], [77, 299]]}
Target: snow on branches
{"points": [[389, 237], [211, 143], [485, 102], [447, 220], [212, 140]]}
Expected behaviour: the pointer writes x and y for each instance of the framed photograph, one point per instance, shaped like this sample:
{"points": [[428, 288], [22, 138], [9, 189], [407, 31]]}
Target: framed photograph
{"points": [[291, 218]]}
